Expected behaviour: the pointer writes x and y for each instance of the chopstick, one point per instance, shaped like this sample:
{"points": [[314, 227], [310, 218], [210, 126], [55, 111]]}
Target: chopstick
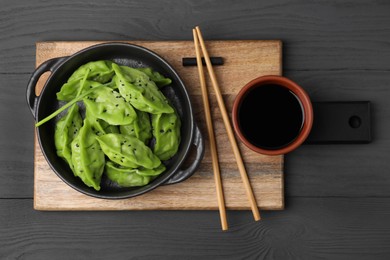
{"points": [[210, 130], [229, 129]]}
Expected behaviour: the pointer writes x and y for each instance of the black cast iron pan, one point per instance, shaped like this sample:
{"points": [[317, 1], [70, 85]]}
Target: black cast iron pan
{"points": [[125, 54]]}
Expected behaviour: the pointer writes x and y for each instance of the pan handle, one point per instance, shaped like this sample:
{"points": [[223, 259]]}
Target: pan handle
{"points": [[181, 175], [49, 65]]}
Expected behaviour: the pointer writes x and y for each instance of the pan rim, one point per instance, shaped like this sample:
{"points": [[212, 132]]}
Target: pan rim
{"points": [[185, 147]]}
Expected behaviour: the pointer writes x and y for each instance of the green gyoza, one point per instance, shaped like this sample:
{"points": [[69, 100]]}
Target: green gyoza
{"points": [[128, 151], [138, 89], [156, 77], [87, 157], [66, 130], [128, 177], [100, 71], [166, 131], [140, 128], [71, 90], [108, 105]]}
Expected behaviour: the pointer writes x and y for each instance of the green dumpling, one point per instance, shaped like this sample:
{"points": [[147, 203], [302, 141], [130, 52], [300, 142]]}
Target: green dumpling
{"points": [[128, 177], [100, 71], [66, 129], [140, 128], [87, 157], [128, 151], [157, 78], [166, 131], [138, 89], [108, 105]]}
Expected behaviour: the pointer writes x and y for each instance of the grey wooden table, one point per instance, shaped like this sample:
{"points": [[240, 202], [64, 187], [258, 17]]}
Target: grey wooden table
{"points": [[337, 196]]}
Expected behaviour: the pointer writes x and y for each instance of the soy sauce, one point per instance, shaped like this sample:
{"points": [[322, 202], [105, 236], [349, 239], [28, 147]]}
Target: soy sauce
{"points": [[270, 116]]}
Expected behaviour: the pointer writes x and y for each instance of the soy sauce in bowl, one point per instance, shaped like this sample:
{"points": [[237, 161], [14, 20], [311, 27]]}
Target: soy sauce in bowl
{"points": [[270, 116]]}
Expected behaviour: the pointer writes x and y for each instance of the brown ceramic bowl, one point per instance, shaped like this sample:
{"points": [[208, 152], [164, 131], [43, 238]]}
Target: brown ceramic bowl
{"points": [[300, 94]]}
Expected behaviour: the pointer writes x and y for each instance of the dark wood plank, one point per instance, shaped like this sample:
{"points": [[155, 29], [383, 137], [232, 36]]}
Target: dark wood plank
{"points": [[344, 170], [317, 35], [335, 49], [308, 229], [16, 142], [317, 170]]}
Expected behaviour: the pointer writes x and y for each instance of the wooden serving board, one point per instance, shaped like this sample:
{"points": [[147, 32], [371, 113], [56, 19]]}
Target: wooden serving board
{"points": [[244, 61]]}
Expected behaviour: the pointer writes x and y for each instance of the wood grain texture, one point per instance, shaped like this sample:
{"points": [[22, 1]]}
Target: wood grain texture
{"points": [[335, 49], [344, 170], [351, 34], [16, 125], [309, 229], [266, 172]]}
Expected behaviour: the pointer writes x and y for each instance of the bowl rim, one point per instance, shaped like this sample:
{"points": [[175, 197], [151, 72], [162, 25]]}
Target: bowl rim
{"points": [[297, 90]]}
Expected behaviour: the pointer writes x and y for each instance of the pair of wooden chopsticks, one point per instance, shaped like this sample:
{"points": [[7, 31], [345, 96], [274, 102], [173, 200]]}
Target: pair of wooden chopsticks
{"points": [[198, 40]]}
